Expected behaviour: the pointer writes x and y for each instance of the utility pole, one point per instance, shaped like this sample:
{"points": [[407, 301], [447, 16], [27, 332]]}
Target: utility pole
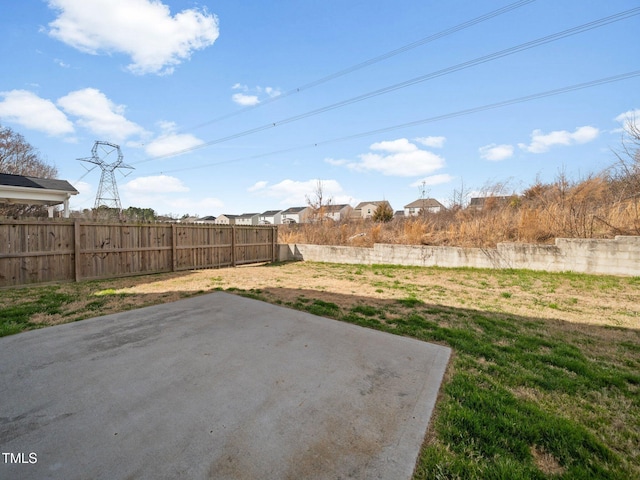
{"points": [[423, 198], [101, 152]]}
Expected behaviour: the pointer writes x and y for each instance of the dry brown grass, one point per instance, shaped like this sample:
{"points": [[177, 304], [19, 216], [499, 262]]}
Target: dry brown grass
{"points": [[571, 298], [591, 208], [577, 300]]}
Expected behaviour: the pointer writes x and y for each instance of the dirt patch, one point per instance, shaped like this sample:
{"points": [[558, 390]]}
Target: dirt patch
{"points": [[546, 462], [553, 297], [562, 301]]}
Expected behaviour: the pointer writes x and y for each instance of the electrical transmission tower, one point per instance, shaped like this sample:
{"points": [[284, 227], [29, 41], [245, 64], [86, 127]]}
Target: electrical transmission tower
{"points": [[101, 153]]}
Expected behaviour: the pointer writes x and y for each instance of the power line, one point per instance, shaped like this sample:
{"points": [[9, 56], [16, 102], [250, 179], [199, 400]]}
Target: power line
{"points": [[372, 61], [459, 113], [446, 71]]}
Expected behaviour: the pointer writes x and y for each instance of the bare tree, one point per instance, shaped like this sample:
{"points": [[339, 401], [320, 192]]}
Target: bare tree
{"points": [[18, 157], [459, 198], [318, 201], [624, 175]]}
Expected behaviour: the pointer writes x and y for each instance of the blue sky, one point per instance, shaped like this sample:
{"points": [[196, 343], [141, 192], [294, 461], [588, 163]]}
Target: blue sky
{"points": [[228, 107]]}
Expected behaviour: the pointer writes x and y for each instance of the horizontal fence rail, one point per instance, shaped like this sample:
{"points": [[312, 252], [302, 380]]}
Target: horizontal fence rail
{"points": [[54, 251]]}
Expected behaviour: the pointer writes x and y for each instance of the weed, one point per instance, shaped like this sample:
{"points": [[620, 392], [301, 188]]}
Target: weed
{"points": [[322, 308], [108, 291], [410, 302], [366, 310], [96, 305], [16, 316]]}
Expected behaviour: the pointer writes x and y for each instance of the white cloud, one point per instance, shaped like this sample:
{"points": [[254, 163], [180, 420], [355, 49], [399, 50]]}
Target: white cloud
{"points": [[399, 158], [165, 204], [496, 153], [170, 142], [541, 142], [401, 145], [433, 142], [433, 180], [272, 92], [155, 184], [245, 100], [27, 109], [83, 187], [145, 30], [164, 193], [294, 193], [257, 186], [99, 115], [629, 115], [85, 197], [251, 96], [628, 119]]}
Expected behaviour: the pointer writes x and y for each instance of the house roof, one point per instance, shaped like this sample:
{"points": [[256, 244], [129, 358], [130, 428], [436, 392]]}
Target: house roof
{"points": [[208, 218], [480, 201], [270, 213], [10, 180], [247, 215], [375, 202], [228, 215], [335, 208], [424, 202], [294, 209]]}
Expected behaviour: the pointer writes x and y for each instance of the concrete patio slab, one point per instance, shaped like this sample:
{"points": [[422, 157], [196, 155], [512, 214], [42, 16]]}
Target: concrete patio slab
{"points": [[215, 386]]}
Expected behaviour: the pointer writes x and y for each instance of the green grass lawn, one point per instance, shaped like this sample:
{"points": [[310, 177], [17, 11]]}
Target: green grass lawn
{"points": [[524, 398], [527, 395]]}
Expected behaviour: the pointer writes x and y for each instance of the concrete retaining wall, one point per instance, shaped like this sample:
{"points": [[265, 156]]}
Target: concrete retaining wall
{"points": [[620, 256]]}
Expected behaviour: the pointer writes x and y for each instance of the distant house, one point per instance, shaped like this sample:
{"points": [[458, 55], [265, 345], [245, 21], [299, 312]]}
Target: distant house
{"points": [[189, 220], [296, 215], [248, 219], [430, 205], [367, 209], [482, 203], [226, 219], [207, 219], [270, 217], [398, 214], [337, 212], [36, 191]]}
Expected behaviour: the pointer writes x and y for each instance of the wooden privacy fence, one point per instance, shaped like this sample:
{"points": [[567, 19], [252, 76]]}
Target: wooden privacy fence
{"points": [[51, 251]]}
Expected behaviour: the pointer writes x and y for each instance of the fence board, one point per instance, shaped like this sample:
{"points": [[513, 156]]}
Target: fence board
{"points": [[59, 250]]}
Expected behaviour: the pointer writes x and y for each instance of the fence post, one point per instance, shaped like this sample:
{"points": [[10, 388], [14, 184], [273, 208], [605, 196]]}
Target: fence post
{"points": [[76, 249], [174, 244], [274, 243], [233, 245]]}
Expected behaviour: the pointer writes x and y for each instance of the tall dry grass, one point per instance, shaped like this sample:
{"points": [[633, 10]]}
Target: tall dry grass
{"points": [[590, 208]]}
